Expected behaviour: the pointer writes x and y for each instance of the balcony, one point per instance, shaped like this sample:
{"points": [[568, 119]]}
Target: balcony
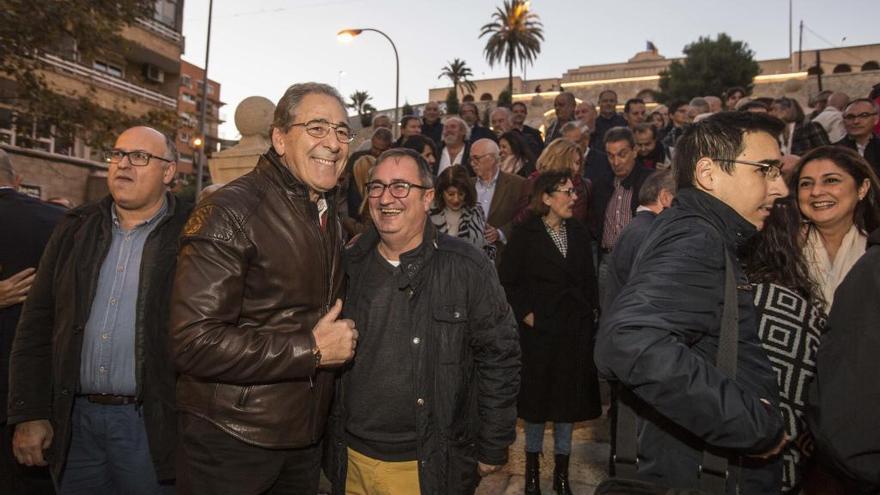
{"points": [[108, 81], [161, 30]]}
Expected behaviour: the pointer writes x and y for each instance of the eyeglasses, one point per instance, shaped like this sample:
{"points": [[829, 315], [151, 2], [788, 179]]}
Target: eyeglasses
{"points": [[320, 128], [570, 192], [399, 190], [137, 158], [854, 116], [771, 169], [479, 158]]}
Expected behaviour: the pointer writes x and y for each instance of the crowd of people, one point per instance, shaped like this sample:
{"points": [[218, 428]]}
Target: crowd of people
{"points": [[384, 313]]}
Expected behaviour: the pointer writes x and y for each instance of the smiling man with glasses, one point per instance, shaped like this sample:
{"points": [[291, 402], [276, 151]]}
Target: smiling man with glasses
{"points": [[659, 337], [91, 381], [860, 118], [428, 405], [256, 328]]}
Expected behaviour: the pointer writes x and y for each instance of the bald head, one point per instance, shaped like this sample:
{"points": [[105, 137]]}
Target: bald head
{"points": [[484, 145], [154, 139], [838, 100], [7, 173]]}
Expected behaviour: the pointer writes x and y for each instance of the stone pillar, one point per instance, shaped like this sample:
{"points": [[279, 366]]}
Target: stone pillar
{"points": [[253, 117]]}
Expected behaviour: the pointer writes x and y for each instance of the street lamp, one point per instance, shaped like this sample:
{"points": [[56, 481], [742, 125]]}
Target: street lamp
{"points": [[346, 35], [200, 166]]}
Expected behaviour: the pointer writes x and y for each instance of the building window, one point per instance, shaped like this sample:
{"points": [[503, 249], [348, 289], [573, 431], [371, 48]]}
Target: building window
{"points": [[210, 89], [185, 80], [24, 132], [188, 98], [108, 68], [166, 13], [841, 68]]}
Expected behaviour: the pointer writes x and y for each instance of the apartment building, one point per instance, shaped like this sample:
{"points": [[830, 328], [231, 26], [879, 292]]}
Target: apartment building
{"points": [[189, 107], [141, 76]]}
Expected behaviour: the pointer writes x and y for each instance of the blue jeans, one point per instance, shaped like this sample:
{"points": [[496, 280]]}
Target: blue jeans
{"points": [[109, 452], [561, 437]]}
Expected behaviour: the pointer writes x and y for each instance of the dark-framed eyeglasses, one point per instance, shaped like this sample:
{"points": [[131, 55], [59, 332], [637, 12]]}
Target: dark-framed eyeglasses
{"points": [[861, 116], [399, 189], [570, 192], [138, 158], [320, 128], [772, 169]]}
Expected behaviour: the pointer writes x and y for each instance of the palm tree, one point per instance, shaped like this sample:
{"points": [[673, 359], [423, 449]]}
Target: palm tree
{"points": [[459, 73], [359, 103], [515, 35]]}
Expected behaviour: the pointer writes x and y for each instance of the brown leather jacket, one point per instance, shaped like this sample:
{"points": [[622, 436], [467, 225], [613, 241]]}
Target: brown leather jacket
{"points": [[254, 275]]}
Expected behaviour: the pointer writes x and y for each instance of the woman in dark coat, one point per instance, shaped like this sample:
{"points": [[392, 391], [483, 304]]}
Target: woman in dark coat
{"points": [[548, 276]]}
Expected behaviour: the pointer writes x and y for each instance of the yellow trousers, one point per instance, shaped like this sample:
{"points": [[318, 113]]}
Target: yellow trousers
{"points": [[368, 476]]}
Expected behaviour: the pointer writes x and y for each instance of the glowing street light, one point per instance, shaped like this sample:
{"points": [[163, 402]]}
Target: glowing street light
{"points": [[346, 35]]}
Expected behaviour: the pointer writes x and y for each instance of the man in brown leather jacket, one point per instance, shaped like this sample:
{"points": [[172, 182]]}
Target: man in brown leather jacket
{"points": [[254, 316]]}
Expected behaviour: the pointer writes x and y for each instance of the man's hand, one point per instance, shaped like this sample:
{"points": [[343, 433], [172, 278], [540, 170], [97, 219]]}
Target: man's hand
{"points": [[775, 450], [529, 319], [336, 339], [31, 438], [486, 469], [14, 289], [491, 234]]}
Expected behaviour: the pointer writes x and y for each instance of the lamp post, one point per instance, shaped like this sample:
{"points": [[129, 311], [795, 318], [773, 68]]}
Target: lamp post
{"points": [[347, 35], [200, 167]]}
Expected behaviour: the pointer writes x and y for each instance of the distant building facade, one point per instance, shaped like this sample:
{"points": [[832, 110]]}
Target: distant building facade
{"points": [[189, 107]]}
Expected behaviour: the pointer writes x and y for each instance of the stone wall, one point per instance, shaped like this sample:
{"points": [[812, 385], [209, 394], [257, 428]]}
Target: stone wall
{"points": [[54, 175]]}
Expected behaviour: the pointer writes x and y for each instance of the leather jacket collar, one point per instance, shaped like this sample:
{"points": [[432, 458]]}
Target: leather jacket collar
{"points": [[273, 167]]}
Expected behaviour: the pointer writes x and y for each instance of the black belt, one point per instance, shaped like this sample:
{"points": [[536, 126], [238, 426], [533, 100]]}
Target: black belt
{"points": [[111, 400], [605, 250]]}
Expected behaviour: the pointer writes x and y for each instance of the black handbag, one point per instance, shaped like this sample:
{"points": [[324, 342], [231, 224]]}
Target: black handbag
{"points": [[713, 471]]}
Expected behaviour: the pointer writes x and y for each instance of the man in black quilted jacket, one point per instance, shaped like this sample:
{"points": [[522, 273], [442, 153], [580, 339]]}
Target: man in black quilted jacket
{"points": [[429, 403], [660, 337]]}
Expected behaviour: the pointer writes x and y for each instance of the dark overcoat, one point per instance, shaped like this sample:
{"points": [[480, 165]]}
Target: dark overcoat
{"points": [[559, 381]]}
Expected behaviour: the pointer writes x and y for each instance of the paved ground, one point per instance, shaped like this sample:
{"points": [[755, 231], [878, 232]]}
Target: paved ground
{"points": [[588, 464]]}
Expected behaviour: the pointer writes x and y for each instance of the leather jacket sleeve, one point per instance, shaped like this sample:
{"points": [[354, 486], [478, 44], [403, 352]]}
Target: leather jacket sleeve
{"points": [[207, 338], [495, 345], [646, 341]]}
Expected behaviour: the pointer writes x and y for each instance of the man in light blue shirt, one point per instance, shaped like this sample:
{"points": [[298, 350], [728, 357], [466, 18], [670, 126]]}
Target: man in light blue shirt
{"points": [[91, 380]]}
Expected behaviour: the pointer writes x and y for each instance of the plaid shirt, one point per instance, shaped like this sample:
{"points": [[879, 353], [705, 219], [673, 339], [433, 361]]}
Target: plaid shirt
{"points": [[559, 237], [808, 136], [617, 215]]}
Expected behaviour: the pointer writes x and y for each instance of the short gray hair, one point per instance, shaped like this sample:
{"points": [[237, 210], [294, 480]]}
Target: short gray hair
{"points": [[574, 125], [7, 173], [506, 111], [657, 182], [700, 102], [285, 111]]}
